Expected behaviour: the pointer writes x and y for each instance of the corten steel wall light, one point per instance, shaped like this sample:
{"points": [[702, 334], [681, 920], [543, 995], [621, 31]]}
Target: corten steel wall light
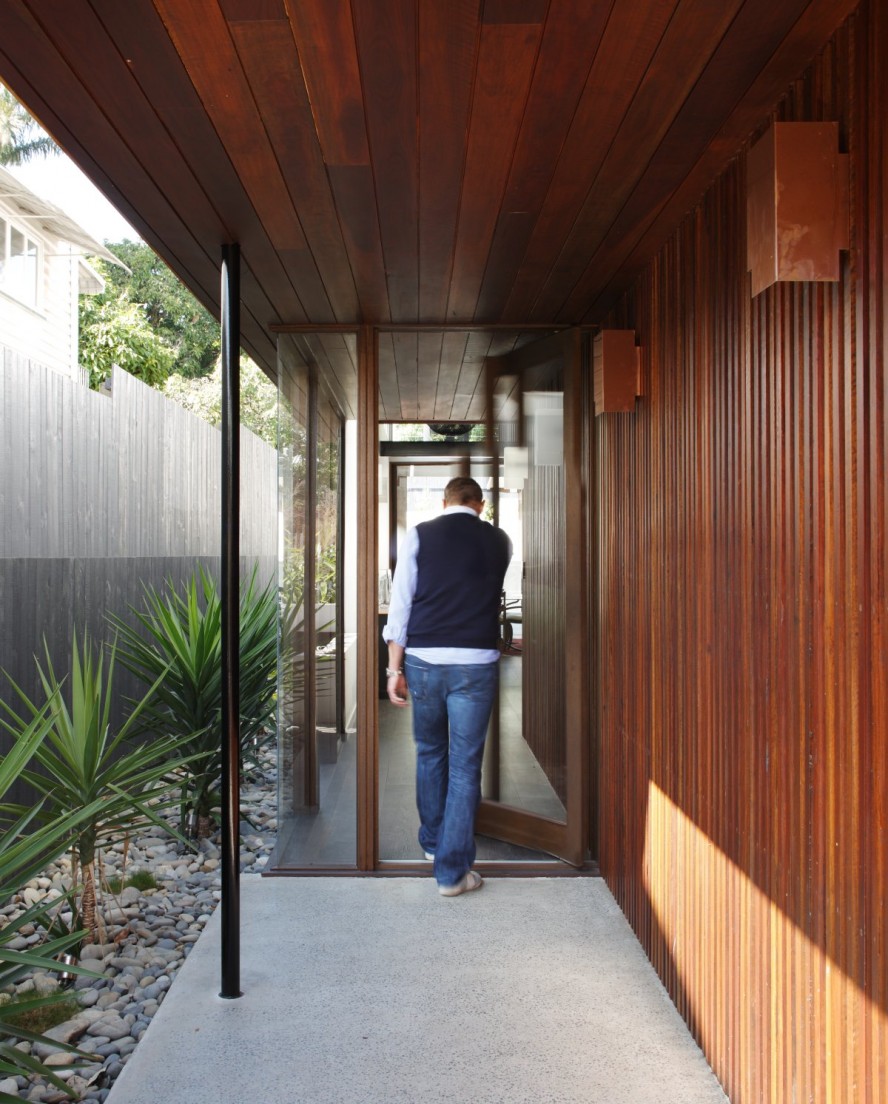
{"points": [[797, 215], [616, 371]]}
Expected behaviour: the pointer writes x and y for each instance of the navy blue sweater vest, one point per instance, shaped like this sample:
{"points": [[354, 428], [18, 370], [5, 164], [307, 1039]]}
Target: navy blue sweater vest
{"points": [[460, 565]]}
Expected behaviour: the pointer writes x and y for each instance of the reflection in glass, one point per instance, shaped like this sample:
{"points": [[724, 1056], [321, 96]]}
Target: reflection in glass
{"points": [[518, 770], [525, 762], [316, 688]]}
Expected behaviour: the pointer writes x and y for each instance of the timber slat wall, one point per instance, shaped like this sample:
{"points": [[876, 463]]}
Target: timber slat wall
{"points": [[100, 494], [543, 629], [743, 634]]}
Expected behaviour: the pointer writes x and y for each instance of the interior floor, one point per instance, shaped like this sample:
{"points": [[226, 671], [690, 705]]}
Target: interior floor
{"points": [[327, 837]]}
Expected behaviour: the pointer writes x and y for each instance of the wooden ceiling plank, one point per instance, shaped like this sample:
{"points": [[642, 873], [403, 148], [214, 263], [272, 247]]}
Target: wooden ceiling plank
{"points": [[816, 24], [342, 355], [325, 39], [471, 376], [506, 59], [94, 60], [126, 95], [193, 258], [268, 52], [453, 351], [328, 54], [151, 59], [339, 368], [448, 45], [162, 86], [41, 53], [571, 38], [428, 364], [318, 352], [355, 197], [290, 264], [386, 44], [204, 43], [256, 341], [629, 42], [389, 396], [515, 11], [688, 44], [148, 206], [478, 403], [758, 30], [253, 11], [406, 351]]}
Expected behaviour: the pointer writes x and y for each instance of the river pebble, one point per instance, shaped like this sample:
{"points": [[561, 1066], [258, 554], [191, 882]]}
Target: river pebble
{"points": [[148, 935]]}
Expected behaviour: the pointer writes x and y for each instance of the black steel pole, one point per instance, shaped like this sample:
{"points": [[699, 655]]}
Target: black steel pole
{"points": [[230, 903]]}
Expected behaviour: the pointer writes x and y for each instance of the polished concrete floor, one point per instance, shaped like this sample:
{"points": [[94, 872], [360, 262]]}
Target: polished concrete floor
{"points": [[379, 991]]}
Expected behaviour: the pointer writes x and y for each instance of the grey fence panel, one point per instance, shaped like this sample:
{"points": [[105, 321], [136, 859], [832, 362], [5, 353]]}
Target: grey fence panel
{"points": [[101, 495]]}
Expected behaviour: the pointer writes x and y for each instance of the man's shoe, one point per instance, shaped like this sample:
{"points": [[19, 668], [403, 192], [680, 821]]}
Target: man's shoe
{"points": [[430, 855], [468, 882]]}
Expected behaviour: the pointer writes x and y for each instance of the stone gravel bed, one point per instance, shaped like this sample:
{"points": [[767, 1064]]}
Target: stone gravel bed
{"points": [[147, 938]]}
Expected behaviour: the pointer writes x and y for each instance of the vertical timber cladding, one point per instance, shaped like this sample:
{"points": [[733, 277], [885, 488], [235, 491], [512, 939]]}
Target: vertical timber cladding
{"points": [[543, 645], [743, 638]]}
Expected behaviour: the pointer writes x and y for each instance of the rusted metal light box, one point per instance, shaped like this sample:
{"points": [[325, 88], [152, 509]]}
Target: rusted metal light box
{"points": [[616, 365], [796, 204]]}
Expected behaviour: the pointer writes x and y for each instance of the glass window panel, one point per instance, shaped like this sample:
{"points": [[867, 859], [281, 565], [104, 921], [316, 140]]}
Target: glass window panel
{"points": [[317, 755], [21, 269]]}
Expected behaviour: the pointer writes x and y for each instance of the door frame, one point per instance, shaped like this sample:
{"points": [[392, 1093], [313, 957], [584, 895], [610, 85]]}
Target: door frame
{"points": [[367, 715], [568, 839]]}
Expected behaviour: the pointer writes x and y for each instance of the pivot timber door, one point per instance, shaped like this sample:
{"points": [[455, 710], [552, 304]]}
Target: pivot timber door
{"points": [[535, 775]]}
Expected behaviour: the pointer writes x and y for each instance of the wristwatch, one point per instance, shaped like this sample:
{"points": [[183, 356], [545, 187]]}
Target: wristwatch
{"points": [[390, 671]]}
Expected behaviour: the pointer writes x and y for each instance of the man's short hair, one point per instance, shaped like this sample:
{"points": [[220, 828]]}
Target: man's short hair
{"points": [[461, 490]]}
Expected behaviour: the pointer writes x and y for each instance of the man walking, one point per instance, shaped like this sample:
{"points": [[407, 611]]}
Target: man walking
{"points": [[442, 635]]}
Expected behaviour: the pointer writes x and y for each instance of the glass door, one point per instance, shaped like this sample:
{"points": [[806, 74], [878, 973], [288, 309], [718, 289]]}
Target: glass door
{"points": [[535, 763]]}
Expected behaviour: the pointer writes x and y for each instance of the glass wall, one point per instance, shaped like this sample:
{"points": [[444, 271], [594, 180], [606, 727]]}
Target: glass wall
{"points": [[316, 683], [526, 754]]}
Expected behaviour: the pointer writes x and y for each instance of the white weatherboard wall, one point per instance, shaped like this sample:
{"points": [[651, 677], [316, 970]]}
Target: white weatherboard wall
{"points": [[45, 334]]}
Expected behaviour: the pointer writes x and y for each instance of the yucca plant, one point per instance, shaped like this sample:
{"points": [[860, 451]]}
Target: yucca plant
{"points": [[84, 764], [25, 850], [181, 634]]}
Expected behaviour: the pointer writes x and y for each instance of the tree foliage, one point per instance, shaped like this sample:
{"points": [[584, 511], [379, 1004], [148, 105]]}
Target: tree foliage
{"points": [[203, 397], [187, 329], [150, 324], [116, 331], [169, 331], [21, 136]]}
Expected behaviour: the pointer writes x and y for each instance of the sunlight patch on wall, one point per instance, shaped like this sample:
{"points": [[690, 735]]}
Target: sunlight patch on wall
{"points": [[752, 985]]}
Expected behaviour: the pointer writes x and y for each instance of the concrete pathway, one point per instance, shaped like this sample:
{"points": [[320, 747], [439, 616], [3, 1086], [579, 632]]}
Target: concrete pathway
{"points": [[378, 990]]}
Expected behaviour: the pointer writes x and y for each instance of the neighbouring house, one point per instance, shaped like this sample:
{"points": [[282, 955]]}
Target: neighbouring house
{"points": [[43, 270]]}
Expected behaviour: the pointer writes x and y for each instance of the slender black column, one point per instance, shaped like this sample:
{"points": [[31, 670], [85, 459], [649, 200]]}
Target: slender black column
{"points": [[230, 903]]}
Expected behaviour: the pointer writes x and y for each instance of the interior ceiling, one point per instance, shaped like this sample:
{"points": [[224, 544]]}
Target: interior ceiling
{"points": [[408, 161]]}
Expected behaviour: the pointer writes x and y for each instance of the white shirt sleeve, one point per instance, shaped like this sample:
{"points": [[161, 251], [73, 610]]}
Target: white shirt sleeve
{"points": [[403, 589]]}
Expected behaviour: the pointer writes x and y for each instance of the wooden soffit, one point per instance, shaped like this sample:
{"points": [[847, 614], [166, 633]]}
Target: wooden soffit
{"points": [[407, 161]]}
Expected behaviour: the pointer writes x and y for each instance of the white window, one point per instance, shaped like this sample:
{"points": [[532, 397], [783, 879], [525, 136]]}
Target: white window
{"points": [[19, 263]]}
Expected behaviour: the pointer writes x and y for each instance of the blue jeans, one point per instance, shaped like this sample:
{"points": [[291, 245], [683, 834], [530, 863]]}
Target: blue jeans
{"points": [[451, 710]]}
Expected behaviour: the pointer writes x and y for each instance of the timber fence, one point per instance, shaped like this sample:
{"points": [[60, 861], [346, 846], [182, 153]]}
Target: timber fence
{"points": [[102, 494]]}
